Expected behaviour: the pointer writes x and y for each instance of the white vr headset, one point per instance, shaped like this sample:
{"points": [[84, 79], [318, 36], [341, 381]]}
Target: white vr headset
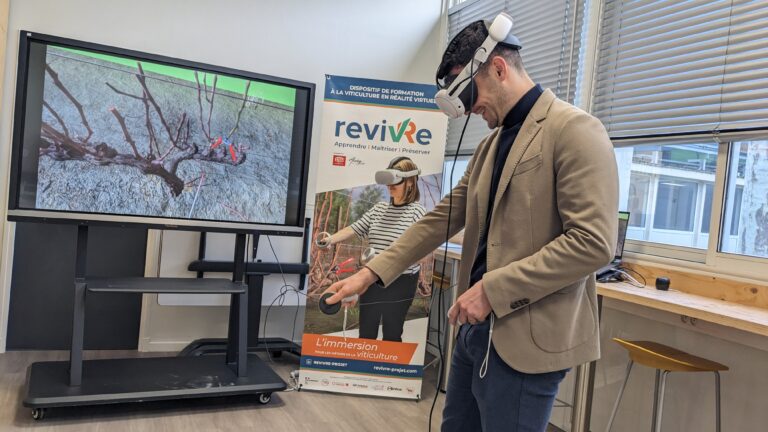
{"points": [[455, 98], [392, 176]]}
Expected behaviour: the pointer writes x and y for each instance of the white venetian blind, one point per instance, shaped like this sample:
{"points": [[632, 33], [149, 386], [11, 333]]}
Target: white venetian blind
{"points": [[668, 67], [550, 32]]}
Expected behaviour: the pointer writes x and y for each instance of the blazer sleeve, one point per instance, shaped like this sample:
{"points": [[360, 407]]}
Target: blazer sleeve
{"points": [[424, 236], [586, 192]]}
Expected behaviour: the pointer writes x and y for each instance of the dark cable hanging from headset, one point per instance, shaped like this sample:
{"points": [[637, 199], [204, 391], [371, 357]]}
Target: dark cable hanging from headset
{"points": [[441, 370]]}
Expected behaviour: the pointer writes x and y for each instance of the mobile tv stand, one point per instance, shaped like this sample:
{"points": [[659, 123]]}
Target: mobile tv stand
{"points": [[97, 382], [254, 277]]}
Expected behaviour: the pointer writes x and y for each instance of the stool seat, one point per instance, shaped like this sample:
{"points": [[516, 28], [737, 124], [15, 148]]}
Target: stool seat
{"points": [[665, 359], [660, 356]]}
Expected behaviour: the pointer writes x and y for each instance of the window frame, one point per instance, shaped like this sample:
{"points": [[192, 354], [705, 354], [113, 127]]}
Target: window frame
{"points": [[711, 259], [448, 160]]}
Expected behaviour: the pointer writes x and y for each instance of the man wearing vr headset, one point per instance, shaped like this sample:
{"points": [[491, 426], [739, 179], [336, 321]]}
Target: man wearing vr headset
{"points": [[538, 203], [382, 225]]}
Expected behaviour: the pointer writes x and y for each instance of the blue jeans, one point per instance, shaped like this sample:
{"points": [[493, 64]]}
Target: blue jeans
{"points": [[505, 400]]}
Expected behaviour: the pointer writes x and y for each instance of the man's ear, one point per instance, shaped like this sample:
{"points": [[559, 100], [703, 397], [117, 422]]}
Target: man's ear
{"points": [[499, 67]]}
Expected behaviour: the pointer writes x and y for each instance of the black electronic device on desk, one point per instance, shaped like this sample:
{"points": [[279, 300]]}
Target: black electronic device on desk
{"points": [[609, 272]]}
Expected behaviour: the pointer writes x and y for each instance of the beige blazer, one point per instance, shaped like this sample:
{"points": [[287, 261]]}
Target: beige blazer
{"points": [[554, 223]]}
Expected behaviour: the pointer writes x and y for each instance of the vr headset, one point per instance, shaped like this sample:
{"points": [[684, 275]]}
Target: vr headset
{"points": [[392, 176], [454, 96]]}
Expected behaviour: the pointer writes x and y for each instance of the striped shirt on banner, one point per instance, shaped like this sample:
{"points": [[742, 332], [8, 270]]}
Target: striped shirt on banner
{"points": [[385, 222]]}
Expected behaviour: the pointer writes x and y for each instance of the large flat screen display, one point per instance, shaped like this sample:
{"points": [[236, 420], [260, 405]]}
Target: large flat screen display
{"points": [[106, 134]]}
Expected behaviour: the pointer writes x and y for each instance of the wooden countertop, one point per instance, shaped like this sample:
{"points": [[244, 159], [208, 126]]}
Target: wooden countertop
{"points": [[748, 318]]}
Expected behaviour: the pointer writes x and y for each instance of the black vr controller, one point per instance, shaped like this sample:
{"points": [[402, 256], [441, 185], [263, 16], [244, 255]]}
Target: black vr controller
{"points": [[331, 309], [328, 309]]}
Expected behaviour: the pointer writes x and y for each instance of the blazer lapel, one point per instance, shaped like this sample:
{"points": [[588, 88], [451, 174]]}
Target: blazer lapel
{"points": [[528, 131], [484, 179]]}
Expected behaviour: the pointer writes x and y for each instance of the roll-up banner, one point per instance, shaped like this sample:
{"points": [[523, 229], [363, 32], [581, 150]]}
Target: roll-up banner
{"points": [[377, 346]]}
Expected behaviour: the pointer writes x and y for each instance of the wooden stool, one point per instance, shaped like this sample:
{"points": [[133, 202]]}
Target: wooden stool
{"points": [[666, 359]]}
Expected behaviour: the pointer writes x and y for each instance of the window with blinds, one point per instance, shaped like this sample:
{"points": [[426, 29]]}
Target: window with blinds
{"points": [[550, 32], [671, 67]]}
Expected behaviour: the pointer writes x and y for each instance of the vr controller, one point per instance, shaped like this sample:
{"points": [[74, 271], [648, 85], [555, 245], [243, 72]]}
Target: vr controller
{"points": [[368, 253], [331, 309], [321, 240]]}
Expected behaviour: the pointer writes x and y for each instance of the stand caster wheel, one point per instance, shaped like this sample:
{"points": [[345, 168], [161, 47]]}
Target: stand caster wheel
{"points": [[264, 398], [38, 413]]}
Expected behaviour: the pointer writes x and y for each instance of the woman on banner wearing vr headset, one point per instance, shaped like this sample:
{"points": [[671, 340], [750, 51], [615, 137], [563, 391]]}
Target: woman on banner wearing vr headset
{"points": [[382, 225]]}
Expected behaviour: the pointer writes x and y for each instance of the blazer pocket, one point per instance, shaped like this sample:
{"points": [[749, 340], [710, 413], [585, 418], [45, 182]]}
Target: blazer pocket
{"points": [[529, 164], [563, 320]]}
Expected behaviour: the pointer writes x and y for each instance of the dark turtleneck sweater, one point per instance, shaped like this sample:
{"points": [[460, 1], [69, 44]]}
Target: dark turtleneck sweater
{"points": [[510, 128]]}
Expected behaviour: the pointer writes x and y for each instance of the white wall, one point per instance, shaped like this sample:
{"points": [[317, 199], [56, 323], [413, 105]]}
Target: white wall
{"points": [[303, 40]]}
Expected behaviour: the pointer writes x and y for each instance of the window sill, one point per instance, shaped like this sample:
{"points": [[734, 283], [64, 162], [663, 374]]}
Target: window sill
{"points": [[746, 269]]}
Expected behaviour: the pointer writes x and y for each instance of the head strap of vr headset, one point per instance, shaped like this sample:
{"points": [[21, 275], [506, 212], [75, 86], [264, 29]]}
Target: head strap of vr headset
{"points": [[405, 174], [396, 161]]}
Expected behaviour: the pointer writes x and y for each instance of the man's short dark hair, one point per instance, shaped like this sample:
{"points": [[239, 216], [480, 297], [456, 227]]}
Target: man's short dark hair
{"points": [[462, 48]]}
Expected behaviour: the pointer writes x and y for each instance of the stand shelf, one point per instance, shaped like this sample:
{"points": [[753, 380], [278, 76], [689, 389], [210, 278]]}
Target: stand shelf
{"points": [[164, 285], [145, 379]]}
